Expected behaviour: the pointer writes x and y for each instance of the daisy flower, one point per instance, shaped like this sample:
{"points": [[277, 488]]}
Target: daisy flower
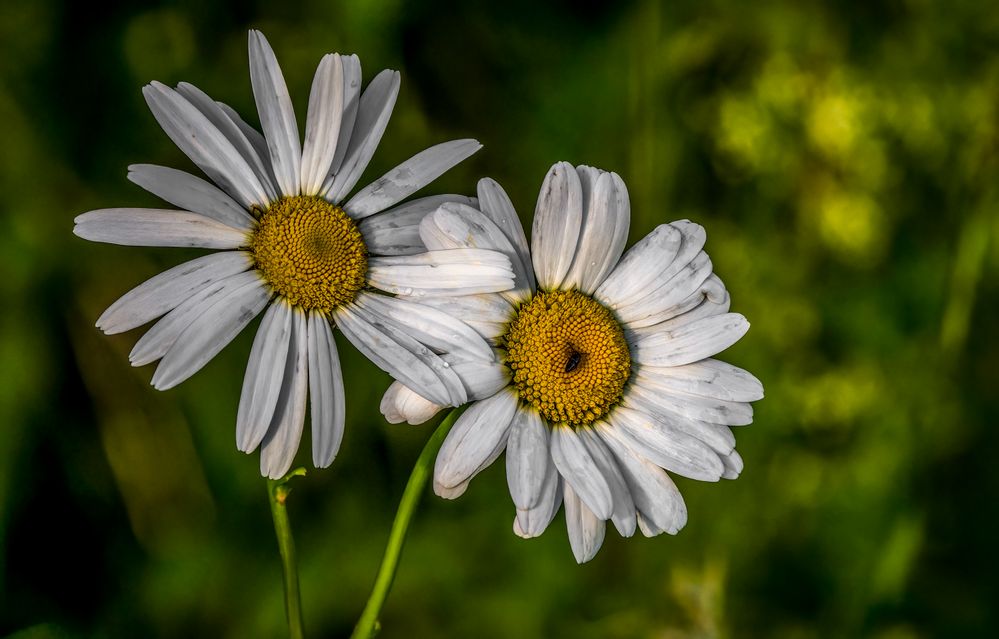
{"points": [[292, 243], [603, 379]]}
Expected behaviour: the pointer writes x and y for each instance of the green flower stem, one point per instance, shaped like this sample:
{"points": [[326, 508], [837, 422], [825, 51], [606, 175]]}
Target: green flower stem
{"points": [[278, 491], [367, 626]]}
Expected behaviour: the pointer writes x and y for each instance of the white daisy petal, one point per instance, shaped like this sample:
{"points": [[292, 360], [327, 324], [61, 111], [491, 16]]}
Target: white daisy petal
{"points": [[586, 529], [662, 303], [455, 226], [481, 378], [662, 445], [636, 272], [277, 450], [373, 114], [707, 304], [397, 230], [707, 409], [557, 220], [322, 125], [476, 436], [163, 334], [531, 522], [400, 404], [429, 326], [453, 272], [718, 436], [401, 356], [264, 376], [211, 332], [708, 378], [157, 227], [257, 142], [207, 147], [169, 289], [690, 342], [232, 132], [709, 299], [488, 314], [351, 98], [527, 458], [496, 204], [580, 470], [190, 193], [409, 177], [277, 116], [657, 499], [623, 515], [733, 465], [326, 392], [603, 235]]}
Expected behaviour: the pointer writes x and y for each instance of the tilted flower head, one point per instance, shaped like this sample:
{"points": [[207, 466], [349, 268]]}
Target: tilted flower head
{"points": [[290, 246], [603, 376]]}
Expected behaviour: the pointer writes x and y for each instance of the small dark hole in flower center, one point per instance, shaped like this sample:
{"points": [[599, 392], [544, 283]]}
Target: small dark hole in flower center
{"points": [[574, 361]]}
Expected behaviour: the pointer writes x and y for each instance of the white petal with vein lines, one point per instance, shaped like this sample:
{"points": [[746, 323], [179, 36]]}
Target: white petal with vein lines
{"points": [[718, 436], [232, 132], [278, 449], [351, 99], [603, 234], [659, 303], [623, 514], [699, 407], [527, 458], [557, 220], [496, 204], [325, 391], [157, 227], [207, 147], [579, 469], [397, 230], [690, 342], [400, 404], [322, 125], [488, 314], [531, 522], [211, 332], [586, 530], [264, 376], [662, 445], [708, 378], [374, 111], [190, 193], [473, 438], [427, 325], [636, 272], [453, 272], [169, 289], [409, 177], [161, 336], [656, 496], [393, 356], [277, 115], [455, 226]]}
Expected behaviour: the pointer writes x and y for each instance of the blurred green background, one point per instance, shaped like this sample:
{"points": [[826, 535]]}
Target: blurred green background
{"points": [[843, 157]]}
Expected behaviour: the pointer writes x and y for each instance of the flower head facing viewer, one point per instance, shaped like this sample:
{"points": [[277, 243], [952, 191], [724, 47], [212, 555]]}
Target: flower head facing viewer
{"points": [[603, 376], [291, 245]]}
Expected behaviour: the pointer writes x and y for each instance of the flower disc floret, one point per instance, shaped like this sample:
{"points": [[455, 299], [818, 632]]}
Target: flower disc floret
{"points": [[310, 252], [568, 357]]}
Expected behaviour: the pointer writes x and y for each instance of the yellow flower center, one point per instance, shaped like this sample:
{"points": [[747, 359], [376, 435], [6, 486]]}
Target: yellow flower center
{"points": [[568, 357], [310, 252]]}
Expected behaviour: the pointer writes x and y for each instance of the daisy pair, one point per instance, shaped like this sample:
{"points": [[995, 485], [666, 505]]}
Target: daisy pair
{"points": [[293, 246], [589, 366], [602, 379]]}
